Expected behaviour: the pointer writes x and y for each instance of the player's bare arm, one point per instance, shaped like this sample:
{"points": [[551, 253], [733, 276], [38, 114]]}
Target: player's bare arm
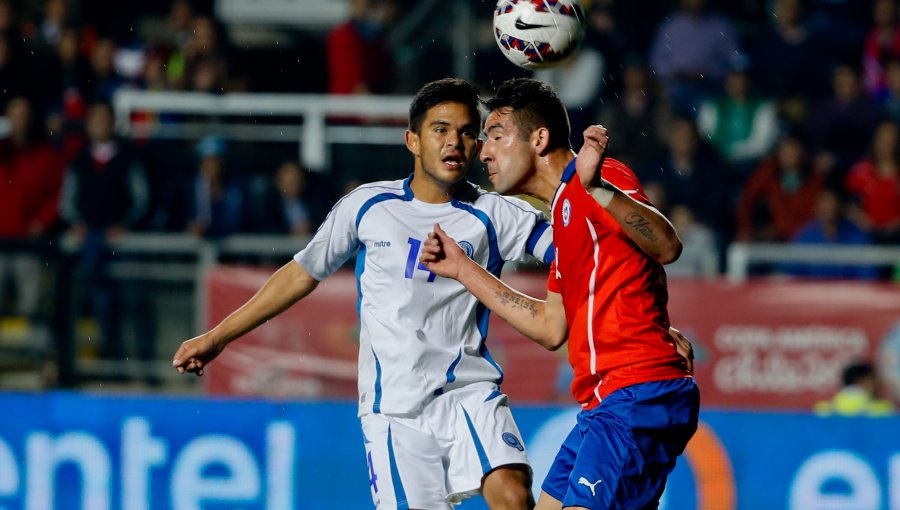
{"points": [[288, 285], [645, 225], [542, 321]]}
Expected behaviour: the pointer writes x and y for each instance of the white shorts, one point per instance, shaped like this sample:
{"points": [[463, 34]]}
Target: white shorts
{"points": [[441, 456]]}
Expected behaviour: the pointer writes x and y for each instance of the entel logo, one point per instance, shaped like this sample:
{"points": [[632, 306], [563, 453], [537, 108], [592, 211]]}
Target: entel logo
{"points": [[210, 468]]}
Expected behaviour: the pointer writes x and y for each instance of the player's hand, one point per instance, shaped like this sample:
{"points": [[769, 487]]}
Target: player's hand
{"points": [[684, 347], [441, 255], [590, 157], [193, 355]]}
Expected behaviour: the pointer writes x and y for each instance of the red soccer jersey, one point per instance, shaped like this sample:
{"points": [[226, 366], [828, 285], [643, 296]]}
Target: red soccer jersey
{"points": [[613, 293]]}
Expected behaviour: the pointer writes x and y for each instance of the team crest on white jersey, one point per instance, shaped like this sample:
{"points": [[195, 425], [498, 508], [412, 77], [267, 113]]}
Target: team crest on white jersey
{"points": [[467, 248], [566, 212]]}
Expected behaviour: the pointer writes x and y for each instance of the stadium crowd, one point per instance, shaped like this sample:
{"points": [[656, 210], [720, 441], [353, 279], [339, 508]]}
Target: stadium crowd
{"points": [[755, 121]]}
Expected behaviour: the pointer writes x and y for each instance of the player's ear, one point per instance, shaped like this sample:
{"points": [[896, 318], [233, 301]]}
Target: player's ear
{"points": [[412, 142], [540, 140]]}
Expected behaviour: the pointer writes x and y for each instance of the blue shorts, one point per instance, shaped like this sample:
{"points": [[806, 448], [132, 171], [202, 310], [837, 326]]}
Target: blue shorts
{"points": [[620, 453]]}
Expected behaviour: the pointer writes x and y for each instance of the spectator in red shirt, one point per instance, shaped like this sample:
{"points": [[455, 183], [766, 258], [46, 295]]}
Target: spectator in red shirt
{"points": [[875, 183], [779, 198], [359, 60], [30, 181], [882, 44]]}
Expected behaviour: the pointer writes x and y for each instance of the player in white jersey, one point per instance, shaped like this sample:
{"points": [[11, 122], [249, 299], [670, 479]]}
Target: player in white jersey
{"points": [[420, 337], [437, 427]]}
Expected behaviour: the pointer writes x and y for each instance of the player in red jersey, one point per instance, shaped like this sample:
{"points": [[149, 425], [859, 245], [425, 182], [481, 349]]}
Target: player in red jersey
{"points": [[605, 295]]}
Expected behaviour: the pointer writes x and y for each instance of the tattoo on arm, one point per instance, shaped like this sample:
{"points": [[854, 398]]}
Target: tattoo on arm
{"points": [[509, 299], [640, 224]]}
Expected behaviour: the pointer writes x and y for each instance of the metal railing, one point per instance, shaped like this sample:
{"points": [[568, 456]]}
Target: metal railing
{"points": [[741, 256], [322, 118]]}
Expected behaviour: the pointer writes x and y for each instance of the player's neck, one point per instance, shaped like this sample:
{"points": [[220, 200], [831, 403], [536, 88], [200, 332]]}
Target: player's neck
{"points": [[549, 170], [429, 190]]}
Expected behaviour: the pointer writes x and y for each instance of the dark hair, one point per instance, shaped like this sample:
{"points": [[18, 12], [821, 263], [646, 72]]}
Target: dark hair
{"points": [[534, 105], [855, 372], [452, 90]]}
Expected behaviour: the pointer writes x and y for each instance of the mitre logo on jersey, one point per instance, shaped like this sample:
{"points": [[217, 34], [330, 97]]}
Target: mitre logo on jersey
{"points": [[468, 249], [566, 212], [381, 244]]}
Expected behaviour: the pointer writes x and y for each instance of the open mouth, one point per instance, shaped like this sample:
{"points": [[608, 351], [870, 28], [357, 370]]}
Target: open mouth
{"points": [[453, 161]]}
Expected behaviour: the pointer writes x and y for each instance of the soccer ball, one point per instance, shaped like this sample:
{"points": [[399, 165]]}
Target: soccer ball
{"points": [[536, 34]]}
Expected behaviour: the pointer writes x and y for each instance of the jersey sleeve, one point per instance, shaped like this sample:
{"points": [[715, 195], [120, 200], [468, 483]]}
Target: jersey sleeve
{"points": [[620, 176], [522, 231], [336, 240]]}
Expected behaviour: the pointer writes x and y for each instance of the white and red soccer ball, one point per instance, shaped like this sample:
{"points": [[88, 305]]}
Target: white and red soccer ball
{"points": [[536, 34]]}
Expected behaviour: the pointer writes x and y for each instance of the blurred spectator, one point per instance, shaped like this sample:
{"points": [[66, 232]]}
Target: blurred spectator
{"points": [[830, 226], [75, 76], [70, 73], [859, 396], [741, 125], [11, 30], [691, 174], [104, 78], [13, 81], [779, 197], [30, 181], [359, 60], [104, 196], [604, 34], [286, 209], [691, 53], [154, 76], [789, 62], [54, 21], [875, 183], [889, 99], [178, 30], [218, 202], [882, 45], [844, 24], [635, 119], [208, 75], [8, 20], [842, 125], [201, 64], [699, 257]]}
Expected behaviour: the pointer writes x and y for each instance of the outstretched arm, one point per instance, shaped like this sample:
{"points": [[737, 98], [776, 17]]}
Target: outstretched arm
{"points": [[288, 285], [542, 321], [645, 225]]}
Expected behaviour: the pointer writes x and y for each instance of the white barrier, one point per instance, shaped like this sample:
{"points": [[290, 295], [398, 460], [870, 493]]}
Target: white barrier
{"points": [[742, 255], [324, 119]]}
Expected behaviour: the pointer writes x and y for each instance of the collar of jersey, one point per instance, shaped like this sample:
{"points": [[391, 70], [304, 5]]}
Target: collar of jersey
{"points": [[407, 191], [569, 171], [409, 196]]}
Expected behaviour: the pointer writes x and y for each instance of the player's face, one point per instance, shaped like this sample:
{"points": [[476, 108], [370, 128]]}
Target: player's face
{"points": [[508, 157], [446, 144]]}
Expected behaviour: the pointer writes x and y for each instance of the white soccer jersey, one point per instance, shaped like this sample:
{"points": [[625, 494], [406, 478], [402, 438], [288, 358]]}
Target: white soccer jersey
{"points": [[420, 335]]}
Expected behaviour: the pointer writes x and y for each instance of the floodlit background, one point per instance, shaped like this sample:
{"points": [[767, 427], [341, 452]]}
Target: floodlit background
{"points": [[159, 159]]}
